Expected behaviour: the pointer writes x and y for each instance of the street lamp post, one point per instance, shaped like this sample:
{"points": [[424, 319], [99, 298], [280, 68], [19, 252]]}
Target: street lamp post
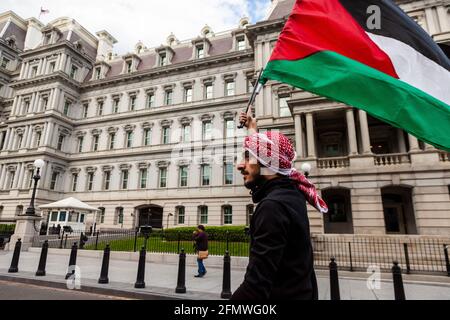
{"points": [[306, 168], [170, 214], [39, 164]]}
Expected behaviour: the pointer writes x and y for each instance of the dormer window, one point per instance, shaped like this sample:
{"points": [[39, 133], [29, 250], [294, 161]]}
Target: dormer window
{"points": [[240, 44], [129, 65], [200, 52], [98, 72], [48, 38], [163, 59], [5, 62]]}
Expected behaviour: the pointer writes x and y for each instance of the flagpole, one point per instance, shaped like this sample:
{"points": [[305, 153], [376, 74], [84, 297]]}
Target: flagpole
{"points": [[256, 90]]}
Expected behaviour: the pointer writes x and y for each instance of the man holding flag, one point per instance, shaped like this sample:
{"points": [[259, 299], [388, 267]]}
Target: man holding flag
{"points": [[391, 69]]}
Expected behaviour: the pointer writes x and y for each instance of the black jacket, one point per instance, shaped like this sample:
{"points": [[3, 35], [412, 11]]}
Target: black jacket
{"points": [[201, 241], [281, 256]]}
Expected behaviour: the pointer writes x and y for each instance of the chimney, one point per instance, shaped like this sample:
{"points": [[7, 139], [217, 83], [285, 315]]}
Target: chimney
{"points": [[105, 44]]}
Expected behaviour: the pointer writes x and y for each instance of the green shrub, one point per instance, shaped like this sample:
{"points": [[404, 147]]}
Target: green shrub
{"points": [[7, 228], [235, 233]]}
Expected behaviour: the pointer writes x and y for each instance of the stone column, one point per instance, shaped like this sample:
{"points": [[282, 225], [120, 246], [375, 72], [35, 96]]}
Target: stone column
{"points": [[6, 143], [30, 137], [20, 180], [2, 176], [310, 135], [298, 136], [48, 134], [351, 131], [17, 175], [401, 141], [15, 106], [12, 138], [365, 137], [413, 143]]}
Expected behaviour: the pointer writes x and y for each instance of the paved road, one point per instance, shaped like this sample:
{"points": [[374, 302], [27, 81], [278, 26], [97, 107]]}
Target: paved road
{"points": [[19, 291]]}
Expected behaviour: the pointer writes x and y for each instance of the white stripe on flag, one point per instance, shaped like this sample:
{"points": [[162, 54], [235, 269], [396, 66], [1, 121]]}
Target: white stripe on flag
{"points": [[415, 69]]}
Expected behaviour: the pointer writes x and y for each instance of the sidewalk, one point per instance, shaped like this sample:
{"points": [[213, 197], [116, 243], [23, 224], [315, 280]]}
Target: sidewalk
{"points": [[161, 280]]}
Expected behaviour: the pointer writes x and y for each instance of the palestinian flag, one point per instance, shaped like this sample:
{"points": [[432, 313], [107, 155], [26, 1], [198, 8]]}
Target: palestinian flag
{"points": [[396, 72]]}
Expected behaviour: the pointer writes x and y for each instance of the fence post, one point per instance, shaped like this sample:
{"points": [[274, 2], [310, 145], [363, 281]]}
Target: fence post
{"points": [[140, 283], [135, 238], [65, 241], [62, 239], [227, 239], [399, 291], [447, 261], [105, 266], [408, 266], [181, 283], [96, 241], [73, 259], [334, 281], [15, 260], [179, 238], [350, 255], [43, 260], [226, 283]]}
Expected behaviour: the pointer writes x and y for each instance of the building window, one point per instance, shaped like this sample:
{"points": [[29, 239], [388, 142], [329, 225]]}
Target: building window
{"points": [[227, 215], [116, 105], [30, 180], [62, 216], [34, 71], [52, 67], [162, 60], [74, 181], [168, 97], [241, 44], [129, 139], [147, 136], [5, 62], [19, 142], [250, 210], [124, 179], [80, 144], [188, 95], [206, 174], [100, 108], [90, 181], [107, 180], [129, 65], [112, 138], [102, 215], [38, 139], [98, 73], [162, 177], [150, 100], [200, 52], [27, 106], [203, 215], [132, 103], [60, 142], [143, 173], [180, 215], [229, 88], [54, 180], [95, 143], [186, 137], [85, 110], [229, 128], [44, 103], [12, 174], [284, 108], [206, 130], [250, 85], [183, 176], [165, 135], [73, 72], [209, 91], [228, 173], [119, 216], [66, 107]]}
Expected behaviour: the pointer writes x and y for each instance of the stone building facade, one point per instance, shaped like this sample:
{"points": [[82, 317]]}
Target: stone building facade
{"points": [[151, 136]]}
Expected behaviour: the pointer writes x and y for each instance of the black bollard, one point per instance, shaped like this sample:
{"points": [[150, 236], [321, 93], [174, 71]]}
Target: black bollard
{"points": [[334, 281], [16, 255], [105, 266], [447, 261], [140, 283], [226, 284], [399, 291], [43, 260], [181, 283], [73, 259]]}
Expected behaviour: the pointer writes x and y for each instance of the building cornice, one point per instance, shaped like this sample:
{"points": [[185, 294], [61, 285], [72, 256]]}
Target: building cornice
{"points": [[50, 48], [59, 76]]}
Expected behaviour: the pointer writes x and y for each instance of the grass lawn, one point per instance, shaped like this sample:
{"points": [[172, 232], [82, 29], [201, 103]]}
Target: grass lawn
{"points": [[160, 245]]}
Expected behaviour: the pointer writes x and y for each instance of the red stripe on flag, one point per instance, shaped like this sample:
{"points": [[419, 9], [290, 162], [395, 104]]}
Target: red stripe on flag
{"points": [[318, 25]]}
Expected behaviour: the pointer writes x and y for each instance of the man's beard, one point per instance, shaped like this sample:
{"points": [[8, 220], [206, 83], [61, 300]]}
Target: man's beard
{"points": [[256, 182]]}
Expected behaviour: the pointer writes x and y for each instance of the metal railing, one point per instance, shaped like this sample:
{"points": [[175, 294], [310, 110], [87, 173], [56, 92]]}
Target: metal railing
{"points": [[416, 254]]}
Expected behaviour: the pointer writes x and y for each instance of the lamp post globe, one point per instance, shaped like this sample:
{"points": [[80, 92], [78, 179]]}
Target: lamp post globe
{"points": [[38, 164], [306, 168]]}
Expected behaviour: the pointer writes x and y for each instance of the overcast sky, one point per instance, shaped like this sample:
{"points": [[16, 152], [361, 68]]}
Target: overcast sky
{"points": [[151, 21]]}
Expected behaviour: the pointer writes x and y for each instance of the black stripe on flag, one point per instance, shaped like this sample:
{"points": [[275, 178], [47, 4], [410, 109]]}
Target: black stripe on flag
{"points": [[398, 25]]}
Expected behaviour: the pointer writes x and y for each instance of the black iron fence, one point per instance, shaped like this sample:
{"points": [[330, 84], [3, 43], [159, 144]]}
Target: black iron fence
{"points": [[415, 254]]}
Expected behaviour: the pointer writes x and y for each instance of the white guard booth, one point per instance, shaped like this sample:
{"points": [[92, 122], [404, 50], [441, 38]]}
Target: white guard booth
{"points": [[68, 212]]}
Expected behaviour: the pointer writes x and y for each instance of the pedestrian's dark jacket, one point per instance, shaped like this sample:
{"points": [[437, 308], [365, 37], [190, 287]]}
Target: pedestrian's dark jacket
{"points": [[201, 241], [281, 256]]}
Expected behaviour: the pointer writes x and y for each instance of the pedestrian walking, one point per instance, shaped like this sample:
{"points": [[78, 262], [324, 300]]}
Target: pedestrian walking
{"points": [[201, 248]]}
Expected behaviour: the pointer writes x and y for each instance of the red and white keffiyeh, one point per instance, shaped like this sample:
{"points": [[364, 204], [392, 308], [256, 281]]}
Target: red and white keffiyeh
{"points": [[274, 150]]}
